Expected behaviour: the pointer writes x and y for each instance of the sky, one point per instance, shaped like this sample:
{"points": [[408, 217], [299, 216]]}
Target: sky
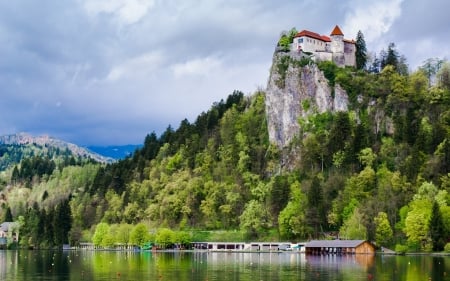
{"points": [[109, 72]]}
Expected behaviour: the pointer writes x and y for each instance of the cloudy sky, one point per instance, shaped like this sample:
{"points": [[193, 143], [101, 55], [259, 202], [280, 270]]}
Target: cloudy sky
{"points": [[108, 72]]}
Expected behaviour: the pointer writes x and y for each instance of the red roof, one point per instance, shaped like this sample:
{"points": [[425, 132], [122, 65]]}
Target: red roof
{"points": [[326, 38], [349, 41], [336, 31], [314, 35]]}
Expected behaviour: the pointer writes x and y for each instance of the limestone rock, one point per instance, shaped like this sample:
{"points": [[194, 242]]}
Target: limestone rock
{"points": [[295, 91]]}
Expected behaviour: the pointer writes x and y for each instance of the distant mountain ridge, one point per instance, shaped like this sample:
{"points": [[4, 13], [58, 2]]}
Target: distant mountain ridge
{"points": [[115, 151], [45, 140]]}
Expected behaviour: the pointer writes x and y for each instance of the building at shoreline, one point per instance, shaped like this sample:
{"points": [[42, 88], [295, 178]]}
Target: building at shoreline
{"points": [[326, 48]]}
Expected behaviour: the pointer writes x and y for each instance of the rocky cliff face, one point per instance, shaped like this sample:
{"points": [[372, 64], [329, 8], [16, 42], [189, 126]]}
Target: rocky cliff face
{"points": [[295, 91]]}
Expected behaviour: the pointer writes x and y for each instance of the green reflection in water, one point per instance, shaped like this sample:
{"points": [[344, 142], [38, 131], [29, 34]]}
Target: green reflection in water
{"points": [[204, 266]]}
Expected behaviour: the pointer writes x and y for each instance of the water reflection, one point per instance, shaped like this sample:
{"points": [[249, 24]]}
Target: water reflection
{"points": [[92, 265]]}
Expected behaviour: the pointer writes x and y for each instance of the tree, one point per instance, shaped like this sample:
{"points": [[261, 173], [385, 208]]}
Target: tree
{"points": [[101, 231], [254, 219], [292, 221], [392, 57], [431, 67], [139, 235], [417, 224], [443, 76], [165, 237], [361, 51], [383, 230], [8, 215], [353, 228], [62, 223], [437, 228], [315, 213], [279, 194]]}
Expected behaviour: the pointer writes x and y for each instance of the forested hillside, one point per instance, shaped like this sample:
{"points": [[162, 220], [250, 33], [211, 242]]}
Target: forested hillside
{"points": [[378, 171]]}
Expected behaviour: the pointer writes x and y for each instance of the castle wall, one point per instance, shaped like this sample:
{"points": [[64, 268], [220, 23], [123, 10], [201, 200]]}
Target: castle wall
{"points": [[308, 44], [350, 59], [323, 56], [349, 54]]}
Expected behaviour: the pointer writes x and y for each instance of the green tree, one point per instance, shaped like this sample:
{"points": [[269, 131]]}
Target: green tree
{"points": [[437, 229], [367, 157], [383, 230], [431, 67], [315, 212], [8, 215], [254, 221], [417, 224], [354, 227], [165, 237], [361, 51], [292, 220], [139, 235], [279, 194], [443, 77], [392, 56], [62, 222], [101, 231]]}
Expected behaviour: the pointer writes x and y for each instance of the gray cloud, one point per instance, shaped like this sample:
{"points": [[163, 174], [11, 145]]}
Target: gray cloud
{"points": [[109, 72]]}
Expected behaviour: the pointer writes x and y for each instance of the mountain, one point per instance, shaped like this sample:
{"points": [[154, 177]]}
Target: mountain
{"points": [[10, 144], [116, 152]]}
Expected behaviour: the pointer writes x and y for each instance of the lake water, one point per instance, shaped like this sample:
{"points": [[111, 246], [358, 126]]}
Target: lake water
{"points": [[104, 265]]}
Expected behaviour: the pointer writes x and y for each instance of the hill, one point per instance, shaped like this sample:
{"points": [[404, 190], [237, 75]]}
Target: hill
{"points": [[15, 147], [323, 150]]}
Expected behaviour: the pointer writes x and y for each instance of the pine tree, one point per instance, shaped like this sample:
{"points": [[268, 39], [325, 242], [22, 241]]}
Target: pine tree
{"points": [[392, 57], [62, 222], [437, 228], [8, 215], [361, 51]]}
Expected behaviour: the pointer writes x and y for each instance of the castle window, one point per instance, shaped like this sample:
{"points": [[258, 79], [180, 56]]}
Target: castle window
{"points": [[300, 40]]}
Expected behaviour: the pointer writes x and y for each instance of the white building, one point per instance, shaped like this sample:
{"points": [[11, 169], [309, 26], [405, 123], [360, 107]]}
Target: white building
{"points": [[323, 48]]}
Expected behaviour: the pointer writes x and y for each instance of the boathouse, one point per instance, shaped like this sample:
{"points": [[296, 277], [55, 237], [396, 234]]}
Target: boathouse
{"points": [[339, 247]]}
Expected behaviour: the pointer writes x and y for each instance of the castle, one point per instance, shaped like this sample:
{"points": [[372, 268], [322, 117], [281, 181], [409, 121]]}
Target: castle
{"points": [[323, 48]]}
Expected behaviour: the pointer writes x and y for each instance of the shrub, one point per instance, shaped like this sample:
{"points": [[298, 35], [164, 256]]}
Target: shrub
{"points": [[447, 248], [401, 249]]}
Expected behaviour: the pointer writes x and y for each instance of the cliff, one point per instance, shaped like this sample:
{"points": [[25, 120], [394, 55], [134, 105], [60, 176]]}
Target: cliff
{"points": [[296, 89]]}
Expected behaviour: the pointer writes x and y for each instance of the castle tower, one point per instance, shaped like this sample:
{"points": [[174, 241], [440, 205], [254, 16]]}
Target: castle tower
{"points": [[337, 40], [337, 46]]}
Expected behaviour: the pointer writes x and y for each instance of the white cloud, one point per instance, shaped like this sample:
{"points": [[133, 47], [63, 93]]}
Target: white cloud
{"points": [[139, 66], [373, 18], [125, 11], [197, 67]]}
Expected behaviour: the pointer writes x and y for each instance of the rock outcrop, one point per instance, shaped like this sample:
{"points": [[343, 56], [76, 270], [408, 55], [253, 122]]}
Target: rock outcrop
{"points": [[295, 91]]}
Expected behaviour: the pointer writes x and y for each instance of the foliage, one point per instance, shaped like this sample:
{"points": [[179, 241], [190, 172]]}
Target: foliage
{"points": [[286, 39], [165, 238], [101, 233], [417, 224], [361, 51], [282, 67], [292, 219], [353, 227], [387, 157], [383, 231], [447, 248], [139, 234], [437, 229], [401, 249], [254, 219]]}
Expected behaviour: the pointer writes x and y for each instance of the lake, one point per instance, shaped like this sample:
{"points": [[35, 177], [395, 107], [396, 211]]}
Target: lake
{"points": [[110, 265]]}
